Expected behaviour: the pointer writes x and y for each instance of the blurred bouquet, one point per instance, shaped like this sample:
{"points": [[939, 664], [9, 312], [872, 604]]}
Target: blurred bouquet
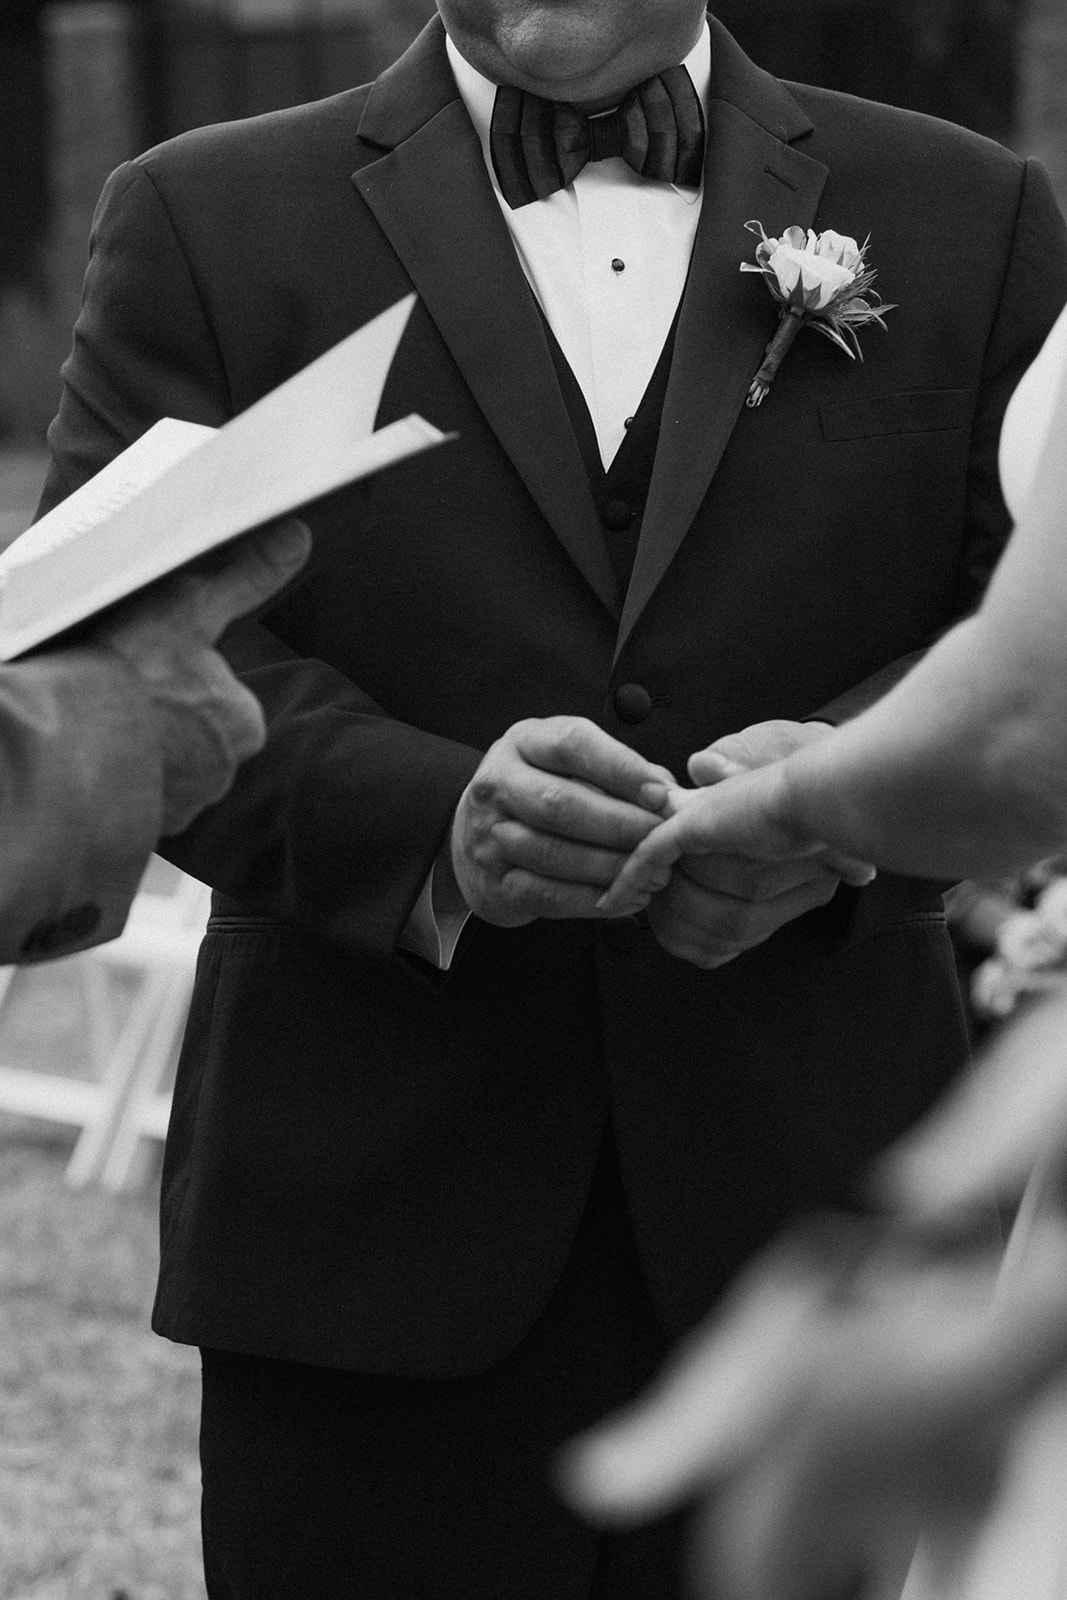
{"points": [[1023, 925]]}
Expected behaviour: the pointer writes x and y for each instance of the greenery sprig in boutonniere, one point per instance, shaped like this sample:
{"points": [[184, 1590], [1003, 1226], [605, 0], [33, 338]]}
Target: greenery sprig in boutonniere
{"points": [[821, 279]]}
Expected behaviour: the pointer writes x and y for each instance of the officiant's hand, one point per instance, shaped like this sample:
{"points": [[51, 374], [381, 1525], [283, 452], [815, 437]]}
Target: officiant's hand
{"points": [[206, 722], [548, 819], [735, 882]]}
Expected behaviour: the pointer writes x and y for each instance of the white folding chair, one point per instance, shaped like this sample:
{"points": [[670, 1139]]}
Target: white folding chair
{"points": [[158, 948], [132, 997]]}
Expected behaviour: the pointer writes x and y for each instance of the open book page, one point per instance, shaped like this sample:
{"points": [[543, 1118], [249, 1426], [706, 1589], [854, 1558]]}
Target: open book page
{"points": [[165, 444], [311, 435]]}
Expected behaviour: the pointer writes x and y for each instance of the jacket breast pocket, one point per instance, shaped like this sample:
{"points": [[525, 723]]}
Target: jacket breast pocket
{"points": [[910, 411]]}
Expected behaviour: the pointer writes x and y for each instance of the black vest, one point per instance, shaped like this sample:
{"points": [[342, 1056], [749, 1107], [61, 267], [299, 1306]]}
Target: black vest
{"points": [[620, 492]]}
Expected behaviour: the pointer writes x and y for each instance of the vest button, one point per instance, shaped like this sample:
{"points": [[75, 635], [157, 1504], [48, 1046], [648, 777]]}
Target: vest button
{"points": [[632, 702], [616, 515]]}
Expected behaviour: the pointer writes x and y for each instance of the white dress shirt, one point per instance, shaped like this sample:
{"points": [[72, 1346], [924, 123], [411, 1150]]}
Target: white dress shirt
{"points": [[607, 259], [611, 324]]}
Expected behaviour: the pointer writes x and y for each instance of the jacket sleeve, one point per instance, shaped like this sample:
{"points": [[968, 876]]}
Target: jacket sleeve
{"points": [[336, 824], [1033, 292], [80, 801]]}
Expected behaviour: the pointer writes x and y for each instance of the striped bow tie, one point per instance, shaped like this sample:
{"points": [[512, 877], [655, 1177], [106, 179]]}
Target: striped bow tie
{"points": [[539, 146]]}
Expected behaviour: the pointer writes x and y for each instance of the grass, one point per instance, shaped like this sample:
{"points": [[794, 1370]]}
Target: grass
{"points": [[99, 1479], [99, 1475]]}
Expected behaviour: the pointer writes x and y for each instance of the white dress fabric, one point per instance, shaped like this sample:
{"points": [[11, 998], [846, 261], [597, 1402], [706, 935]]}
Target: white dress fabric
{"points": [[1029, 417], [1020, 1553]]}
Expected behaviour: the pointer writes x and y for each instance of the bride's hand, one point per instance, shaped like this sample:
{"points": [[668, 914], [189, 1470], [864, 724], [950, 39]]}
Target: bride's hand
{"points": [[742, 818], [851, 1388]]}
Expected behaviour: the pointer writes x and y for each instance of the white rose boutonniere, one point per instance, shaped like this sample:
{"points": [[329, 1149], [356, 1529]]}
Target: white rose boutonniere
{"points": [[821, 279]]}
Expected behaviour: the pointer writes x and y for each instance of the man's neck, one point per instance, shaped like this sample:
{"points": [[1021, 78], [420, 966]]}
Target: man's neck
{"points": [[478, 92]]}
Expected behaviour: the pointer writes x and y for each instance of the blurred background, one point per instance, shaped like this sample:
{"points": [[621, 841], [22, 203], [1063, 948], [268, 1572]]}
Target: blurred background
{"points": [[86, 83], [98, 1471]]}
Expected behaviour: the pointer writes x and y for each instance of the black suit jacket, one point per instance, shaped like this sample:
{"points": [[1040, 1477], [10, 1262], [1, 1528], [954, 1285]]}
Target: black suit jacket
{"points": [[376, 1166]]}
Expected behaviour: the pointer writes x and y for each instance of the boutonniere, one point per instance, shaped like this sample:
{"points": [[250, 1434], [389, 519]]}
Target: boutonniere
{"points": [[821, 279]]}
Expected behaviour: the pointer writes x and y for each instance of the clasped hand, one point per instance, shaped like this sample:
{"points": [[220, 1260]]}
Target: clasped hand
{"points": [[562, 820], [736, 876], [550, 817]]}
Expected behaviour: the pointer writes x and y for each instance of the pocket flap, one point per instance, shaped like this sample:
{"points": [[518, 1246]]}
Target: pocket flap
{"points": [[913, 411]]}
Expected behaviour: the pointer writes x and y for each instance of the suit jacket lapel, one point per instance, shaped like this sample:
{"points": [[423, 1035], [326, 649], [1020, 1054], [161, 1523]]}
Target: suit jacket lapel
{"points": [[727, 317], [431, 195]]}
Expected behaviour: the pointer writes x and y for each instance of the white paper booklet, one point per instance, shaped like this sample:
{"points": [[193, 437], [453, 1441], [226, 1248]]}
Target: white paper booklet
{"points": [[182, 489]]}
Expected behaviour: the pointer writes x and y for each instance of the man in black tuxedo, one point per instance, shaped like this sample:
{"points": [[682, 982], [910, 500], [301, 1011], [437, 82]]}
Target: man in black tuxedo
{"points": [[451, 1157]]}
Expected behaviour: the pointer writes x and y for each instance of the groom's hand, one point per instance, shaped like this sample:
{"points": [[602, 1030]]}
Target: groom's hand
{"points": [[718, 905], [549, 818]]}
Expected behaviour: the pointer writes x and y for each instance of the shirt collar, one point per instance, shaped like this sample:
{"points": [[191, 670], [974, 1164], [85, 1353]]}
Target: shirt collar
{"points": [[478, 93]]}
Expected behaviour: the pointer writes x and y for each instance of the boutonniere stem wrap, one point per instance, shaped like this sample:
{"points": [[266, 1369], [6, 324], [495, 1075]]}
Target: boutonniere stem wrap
{"points": [[818, 279]]}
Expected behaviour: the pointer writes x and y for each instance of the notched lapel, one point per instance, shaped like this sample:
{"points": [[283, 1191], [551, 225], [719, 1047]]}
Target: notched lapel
{"points": [[727, 316], [431, 196]]}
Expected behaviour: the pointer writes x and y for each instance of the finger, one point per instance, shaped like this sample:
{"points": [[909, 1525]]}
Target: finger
{"points": [[989, 1133], [254, 568], [900, 1374], [734, 818], [744, 879], [549, 856], [888, 1422], [769, 1537], [852, 871], [571, 809], [208, 723], [763, 879], [229, 712], [651, 859], [728, 1387], [711, 766], [677, 797], [755, 746], [576, 748], [857, 874], [690, 940], [536, 896], [718, 923]]}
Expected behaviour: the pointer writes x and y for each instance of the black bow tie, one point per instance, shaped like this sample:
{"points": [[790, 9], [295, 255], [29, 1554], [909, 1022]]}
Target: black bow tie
{"points": [[539, 146]]}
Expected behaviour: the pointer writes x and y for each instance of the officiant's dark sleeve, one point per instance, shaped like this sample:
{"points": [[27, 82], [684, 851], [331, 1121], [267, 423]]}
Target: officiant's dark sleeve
{"points": [[81, 789]]}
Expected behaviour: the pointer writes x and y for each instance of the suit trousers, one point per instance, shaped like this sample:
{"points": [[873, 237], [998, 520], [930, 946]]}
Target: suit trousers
{"points": [[353, 1487]]}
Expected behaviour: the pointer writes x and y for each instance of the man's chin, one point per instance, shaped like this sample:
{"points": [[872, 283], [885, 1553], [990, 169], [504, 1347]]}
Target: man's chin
{"points": [[597, 90], [581, 64], [589, 53]]}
